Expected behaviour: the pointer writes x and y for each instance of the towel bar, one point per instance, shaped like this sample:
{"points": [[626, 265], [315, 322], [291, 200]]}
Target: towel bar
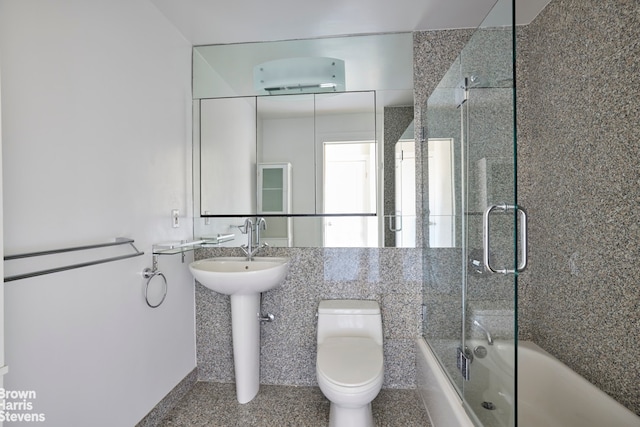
{"points": [[118, 241]]}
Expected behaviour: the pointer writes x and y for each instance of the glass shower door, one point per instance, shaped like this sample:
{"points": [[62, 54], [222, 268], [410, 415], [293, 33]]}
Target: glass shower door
{"points": [[470, 288], [491, 216], [488, 290]]}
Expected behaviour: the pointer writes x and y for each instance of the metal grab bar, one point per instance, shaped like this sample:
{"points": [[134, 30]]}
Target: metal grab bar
{"points": [[523, 237], [118, 241]]}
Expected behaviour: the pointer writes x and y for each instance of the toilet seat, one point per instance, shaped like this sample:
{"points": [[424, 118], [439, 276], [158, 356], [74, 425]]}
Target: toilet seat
{"points": [[350, 361]]}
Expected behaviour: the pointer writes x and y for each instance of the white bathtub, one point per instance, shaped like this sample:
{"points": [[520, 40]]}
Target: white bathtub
{"points": [[549, 393]]}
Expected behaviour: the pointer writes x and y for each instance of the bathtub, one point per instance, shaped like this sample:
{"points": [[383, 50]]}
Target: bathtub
{"points": [[549, 393]]}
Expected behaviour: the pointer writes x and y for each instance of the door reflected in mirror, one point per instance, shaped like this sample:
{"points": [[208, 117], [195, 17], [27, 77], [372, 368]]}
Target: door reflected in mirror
{"points": [[403, 223], [442, 230]]}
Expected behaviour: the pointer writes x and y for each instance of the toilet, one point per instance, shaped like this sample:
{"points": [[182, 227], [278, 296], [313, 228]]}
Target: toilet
{"points": [[349, 363]]}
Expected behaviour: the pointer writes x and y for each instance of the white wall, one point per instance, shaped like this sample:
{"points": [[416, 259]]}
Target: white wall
{"points": [[96, 117], [2, 365]]}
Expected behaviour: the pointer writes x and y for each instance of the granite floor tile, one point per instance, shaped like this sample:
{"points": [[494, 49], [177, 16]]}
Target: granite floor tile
{"points": [[215, 404]]}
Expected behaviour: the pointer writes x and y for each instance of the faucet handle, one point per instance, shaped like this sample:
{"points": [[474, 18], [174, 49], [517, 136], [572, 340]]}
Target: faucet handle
{"points": [[244, 228]]}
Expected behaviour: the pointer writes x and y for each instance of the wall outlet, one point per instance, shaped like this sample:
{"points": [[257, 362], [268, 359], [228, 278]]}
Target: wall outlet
{"points": [[175, 218]]}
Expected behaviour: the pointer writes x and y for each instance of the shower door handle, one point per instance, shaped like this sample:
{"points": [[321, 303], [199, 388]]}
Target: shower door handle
{"points": [[523, 237]]}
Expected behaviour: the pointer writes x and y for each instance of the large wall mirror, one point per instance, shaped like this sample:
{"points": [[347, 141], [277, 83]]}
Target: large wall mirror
{"points": [[310, 153], [326, 144]]}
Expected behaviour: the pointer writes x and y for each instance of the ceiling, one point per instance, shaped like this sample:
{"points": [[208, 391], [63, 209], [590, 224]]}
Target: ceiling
{"points": [[240, 21]]}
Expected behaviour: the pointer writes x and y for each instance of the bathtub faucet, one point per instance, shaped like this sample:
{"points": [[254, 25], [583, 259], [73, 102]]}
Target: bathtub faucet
{"points": [[485, 330]]}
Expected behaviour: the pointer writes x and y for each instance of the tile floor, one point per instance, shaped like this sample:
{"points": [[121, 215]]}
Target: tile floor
{"points": [[215, 404]]}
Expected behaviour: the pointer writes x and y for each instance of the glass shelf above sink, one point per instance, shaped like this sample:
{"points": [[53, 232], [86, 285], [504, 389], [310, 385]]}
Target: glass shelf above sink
{"points": [[182, 246]]}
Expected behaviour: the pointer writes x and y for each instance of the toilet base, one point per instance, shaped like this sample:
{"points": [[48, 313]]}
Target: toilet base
{"points": [[339, 416]]}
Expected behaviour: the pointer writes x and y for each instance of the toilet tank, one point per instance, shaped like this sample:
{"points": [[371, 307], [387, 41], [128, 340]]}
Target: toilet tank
{"points": [[349, 318]]}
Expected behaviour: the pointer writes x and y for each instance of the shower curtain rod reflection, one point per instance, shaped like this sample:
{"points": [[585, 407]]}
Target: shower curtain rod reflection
{"points": [[117, 242]]}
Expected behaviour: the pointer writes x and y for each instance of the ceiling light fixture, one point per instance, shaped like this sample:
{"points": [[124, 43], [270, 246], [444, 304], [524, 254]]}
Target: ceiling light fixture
{"points": [[299, 75]]}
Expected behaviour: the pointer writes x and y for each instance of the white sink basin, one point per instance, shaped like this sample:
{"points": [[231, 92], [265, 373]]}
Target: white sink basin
{"points": [[237, 276]]}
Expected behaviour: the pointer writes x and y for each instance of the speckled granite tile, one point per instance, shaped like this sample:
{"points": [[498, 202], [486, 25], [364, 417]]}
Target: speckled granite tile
{"points": [[401, 270], [399, 364], [214, 352], [443, 317], [433, 53], [215, 405], [401, 316], [442, 271], [578, 176]]}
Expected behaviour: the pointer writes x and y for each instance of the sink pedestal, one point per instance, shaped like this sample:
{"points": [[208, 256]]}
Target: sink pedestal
{"points": [[245, 329], [244, 280]]}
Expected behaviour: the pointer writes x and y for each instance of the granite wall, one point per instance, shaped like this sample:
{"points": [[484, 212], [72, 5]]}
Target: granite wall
{"points": [[391, 276], [579, 179], [441, 267]]}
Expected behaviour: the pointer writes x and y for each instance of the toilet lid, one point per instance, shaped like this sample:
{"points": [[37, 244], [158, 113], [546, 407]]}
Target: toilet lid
{"points": [[350, 361]]}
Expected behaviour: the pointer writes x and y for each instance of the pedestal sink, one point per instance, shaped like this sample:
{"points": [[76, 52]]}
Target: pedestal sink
{"points": [[243, 280]]}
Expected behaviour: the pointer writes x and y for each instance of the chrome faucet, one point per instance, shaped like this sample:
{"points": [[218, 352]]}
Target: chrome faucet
{"points": [[248, 230], [261, 224], [485, 330], [249, 249]]}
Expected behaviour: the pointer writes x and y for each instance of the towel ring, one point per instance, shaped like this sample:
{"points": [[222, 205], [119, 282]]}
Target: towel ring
{"points": [[149, 274]]}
